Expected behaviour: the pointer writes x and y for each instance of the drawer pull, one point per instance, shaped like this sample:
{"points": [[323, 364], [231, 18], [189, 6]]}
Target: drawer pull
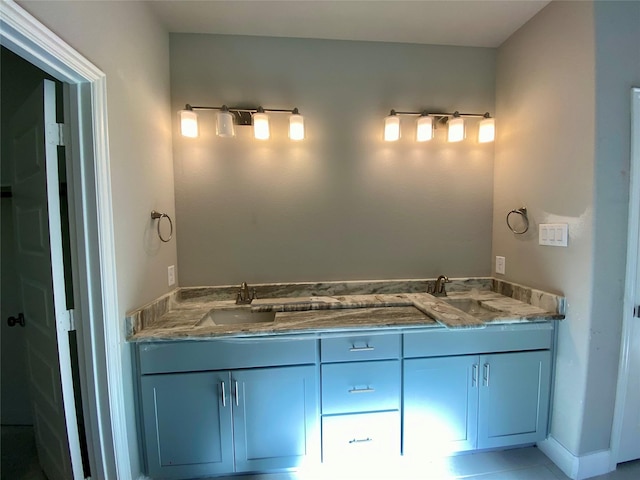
{"points": [[224, 395], [474, 376], [366, 348], [362, 390], [361, 440]]}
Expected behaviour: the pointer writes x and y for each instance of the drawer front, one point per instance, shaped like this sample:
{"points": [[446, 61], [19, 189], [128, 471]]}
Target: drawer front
{"points": [[360, 386], [360, 347], [363, 436], [502, 338], [219, 354]]}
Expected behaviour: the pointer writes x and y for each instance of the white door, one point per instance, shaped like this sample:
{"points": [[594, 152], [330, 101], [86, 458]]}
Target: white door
{"points": [[629, 447], [36, 210]]}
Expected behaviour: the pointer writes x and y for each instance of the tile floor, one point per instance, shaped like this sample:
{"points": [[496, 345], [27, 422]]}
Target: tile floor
{"points": [[19, 462]]}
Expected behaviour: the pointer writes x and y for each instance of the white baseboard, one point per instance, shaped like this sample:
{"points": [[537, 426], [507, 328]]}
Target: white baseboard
{"points": [[577, 468]]}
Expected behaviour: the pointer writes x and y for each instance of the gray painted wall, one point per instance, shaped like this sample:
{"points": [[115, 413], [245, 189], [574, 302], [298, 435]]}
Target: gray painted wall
{"points": [[127, 43], [617, 30], [563, 85], [343, 204]]}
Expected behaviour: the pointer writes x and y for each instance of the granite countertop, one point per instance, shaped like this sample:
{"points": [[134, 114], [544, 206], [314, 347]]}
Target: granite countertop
{"points": [[343, 306]]}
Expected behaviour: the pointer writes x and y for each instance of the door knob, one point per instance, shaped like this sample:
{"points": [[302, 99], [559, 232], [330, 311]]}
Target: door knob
{"points": [[12, 321]]}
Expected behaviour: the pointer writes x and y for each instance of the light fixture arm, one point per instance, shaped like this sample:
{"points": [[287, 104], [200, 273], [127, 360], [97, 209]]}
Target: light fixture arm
{"points": [[441, 115], [242, 109]]}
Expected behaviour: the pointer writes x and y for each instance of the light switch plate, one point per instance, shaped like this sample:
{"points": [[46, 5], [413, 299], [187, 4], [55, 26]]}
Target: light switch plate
{"points": [[171, 275], [500, 265], [553, 234]]}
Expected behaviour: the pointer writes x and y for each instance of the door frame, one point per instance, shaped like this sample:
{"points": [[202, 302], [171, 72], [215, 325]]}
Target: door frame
{"points": [[99, 341], [633, 242]]}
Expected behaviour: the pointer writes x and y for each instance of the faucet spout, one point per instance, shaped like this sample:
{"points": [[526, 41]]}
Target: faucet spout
{"points": [[437, 289], [244, 295]]}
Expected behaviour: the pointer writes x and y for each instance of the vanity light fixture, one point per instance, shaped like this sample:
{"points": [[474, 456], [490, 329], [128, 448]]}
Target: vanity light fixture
{"points": [[188, 122], [487, 129], [296, 125], [424, 128], [392, 127], [227, 118], [427, 122], [455, 129], [224, 123], [261, 125]]}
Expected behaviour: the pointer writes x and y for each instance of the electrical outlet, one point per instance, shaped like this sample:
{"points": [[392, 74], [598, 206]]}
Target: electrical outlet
{"points": [[171, 275], [500, 265]]}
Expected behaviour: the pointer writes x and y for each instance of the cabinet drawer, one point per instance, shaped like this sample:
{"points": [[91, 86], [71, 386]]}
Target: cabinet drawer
{"points": [[222, 354], [360, 347], [499, 338], [360, 386], [363, 436]]}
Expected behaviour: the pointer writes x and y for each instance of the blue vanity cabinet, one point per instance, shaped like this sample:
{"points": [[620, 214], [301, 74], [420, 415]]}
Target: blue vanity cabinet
{"points": [[514, 398], [476, 389], [361, 379], [199, 421], [187, 424], [440, 405], [275, 417]]}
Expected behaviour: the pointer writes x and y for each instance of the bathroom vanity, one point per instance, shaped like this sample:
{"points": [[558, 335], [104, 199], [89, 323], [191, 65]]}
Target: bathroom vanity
{"points": [[331, 383]]}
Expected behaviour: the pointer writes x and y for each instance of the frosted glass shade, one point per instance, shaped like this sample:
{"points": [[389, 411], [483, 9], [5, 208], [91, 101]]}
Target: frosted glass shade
{"points": [[188, 123], [296, 127], [391, 128], [261, 126], [456, 129], [224, 124], [487, 130], [424, 128]]}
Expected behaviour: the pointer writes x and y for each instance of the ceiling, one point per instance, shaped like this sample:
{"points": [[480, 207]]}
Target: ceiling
{"points": [[477, 23]]}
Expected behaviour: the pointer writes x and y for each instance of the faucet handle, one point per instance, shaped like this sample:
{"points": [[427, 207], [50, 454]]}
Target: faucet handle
{"points": [[253, 294]]}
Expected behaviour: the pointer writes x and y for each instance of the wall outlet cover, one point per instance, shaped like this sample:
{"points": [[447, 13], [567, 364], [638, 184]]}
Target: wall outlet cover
{"points": [[500, 265], [171, 275], [553, 234]]}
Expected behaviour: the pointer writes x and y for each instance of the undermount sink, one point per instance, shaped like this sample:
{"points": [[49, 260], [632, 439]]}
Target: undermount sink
{"points": [[235, 316], [472, 307]]}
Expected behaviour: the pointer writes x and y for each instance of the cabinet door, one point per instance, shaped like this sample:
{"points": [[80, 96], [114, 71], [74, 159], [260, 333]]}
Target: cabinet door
{"points": [[440, 405], [276, 418], [187, 424], [514, 398]]}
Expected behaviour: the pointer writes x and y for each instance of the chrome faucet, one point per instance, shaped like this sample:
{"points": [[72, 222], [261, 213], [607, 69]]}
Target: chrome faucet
{"points": [[437, 288], [244, 296]]}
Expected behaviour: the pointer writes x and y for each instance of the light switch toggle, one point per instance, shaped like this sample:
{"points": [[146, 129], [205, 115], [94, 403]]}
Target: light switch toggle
{"points": [[553, 234]]}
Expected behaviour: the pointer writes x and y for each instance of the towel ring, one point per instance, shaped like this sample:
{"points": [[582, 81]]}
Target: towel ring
{"points": [[159, 216], [523, 213]]}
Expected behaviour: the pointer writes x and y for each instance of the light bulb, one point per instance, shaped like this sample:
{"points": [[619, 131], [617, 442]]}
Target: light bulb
{"points": [[424, 128], [296, 126], [456, 128], [261, 125], [188, 123], [487, 130], [392, 127]]}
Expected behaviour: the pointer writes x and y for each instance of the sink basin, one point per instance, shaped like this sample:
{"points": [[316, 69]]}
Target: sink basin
{"points": [[472, 307], [235, 317]]}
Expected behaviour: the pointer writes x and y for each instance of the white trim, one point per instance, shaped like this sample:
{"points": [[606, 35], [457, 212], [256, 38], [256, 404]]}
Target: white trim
{"points": [[633, 239], [577, 468], [26, 36]]}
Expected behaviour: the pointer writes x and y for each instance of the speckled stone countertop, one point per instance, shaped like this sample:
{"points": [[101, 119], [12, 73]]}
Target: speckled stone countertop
{"points": [[342, 306]]}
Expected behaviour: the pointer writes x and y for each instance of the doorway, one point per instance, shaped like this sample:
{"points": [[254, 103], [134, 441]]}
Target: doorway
{"points": [[19, 456], [626, 426]]}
